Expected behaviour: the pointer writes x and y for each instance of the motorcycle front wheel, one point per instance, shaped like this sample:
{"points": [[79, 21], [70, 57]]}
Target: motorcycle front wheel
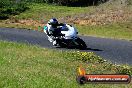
{"points": [[81, 44], [61, 43]]}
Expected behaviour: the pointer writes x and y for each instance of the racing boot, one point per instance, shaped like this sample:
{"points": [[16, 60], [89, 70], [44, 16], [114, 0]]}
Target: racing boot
{"points": [[50, 39], [54, 43]]}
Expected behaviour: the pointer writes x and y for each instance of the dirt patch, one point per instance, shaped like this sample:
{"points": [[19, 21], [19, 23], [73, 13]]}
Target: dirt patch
{"points": [[102, 18], [110, 12], [25, 23]]}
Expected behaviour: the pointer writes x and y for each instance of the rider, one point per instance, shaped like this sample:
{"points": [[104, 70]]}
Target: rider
{"points": [[51, 29]]}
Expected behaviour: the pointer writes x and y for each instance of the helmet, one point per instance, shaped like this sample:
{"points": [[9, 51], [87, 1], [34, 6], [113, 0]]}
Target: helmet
{"points": [[53, 21]]}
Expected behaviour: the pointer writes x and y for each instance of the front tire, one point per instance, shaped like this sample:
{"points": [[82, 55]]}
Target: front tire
{"points": [[81, 44], [61, 43]]}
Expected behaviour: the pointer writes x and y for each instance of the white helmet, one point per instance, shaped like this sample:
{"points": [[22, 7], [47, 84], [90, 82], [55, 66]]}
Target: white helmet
{"points": [[53, 21]]}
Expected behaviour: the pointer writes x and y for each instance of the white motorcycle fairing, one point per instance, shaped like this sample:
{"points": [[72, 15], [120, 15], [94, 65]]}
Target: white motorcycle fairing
{"points": [[69, 38], [69, 31]]}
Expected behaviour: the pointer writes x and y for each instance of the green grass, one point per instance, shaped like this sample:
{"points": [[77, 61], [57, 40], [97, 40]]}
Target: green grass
{"points": [[28, 66], [116, 30], [46, 12]]}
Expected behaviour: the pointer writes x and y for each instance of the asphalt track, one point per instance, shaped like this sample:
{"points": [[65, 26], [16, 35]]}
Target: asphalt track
{"points": [[116, 51]]}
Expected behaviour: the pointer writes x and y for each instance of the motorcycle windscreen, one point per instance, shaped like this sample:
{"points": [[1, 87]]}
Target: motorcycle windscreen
{"points": [[70, 33]]}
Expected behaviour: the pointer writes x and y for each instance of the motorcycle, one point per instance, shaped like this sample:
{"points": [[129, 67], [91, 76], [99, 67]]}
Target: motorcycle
{"points": [[67, 36]]}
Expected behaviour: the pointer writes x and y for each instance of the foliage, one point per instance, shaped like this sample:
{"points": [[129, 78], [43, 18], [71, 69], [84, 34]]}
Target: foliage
{"points": [[69, 2], [8, 7], [99, 65], [87, 57], [129, 2]]}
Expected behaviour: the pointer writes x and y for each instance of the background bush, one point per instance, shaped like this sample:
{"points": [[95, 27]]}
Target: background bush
{"points": [[80, 2], [69, 2], [11, 7], [129, 2]]}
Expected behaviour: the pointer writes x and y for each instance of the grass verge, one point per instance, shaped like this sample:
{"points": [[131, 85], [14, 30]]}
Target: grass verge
{"points": [[23, 65], [115, 30]]}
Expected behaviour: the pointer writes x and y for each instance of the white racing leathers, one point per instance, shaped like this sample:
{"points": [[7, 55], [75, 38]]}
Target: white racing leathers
{"points": [[48, 30]]}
